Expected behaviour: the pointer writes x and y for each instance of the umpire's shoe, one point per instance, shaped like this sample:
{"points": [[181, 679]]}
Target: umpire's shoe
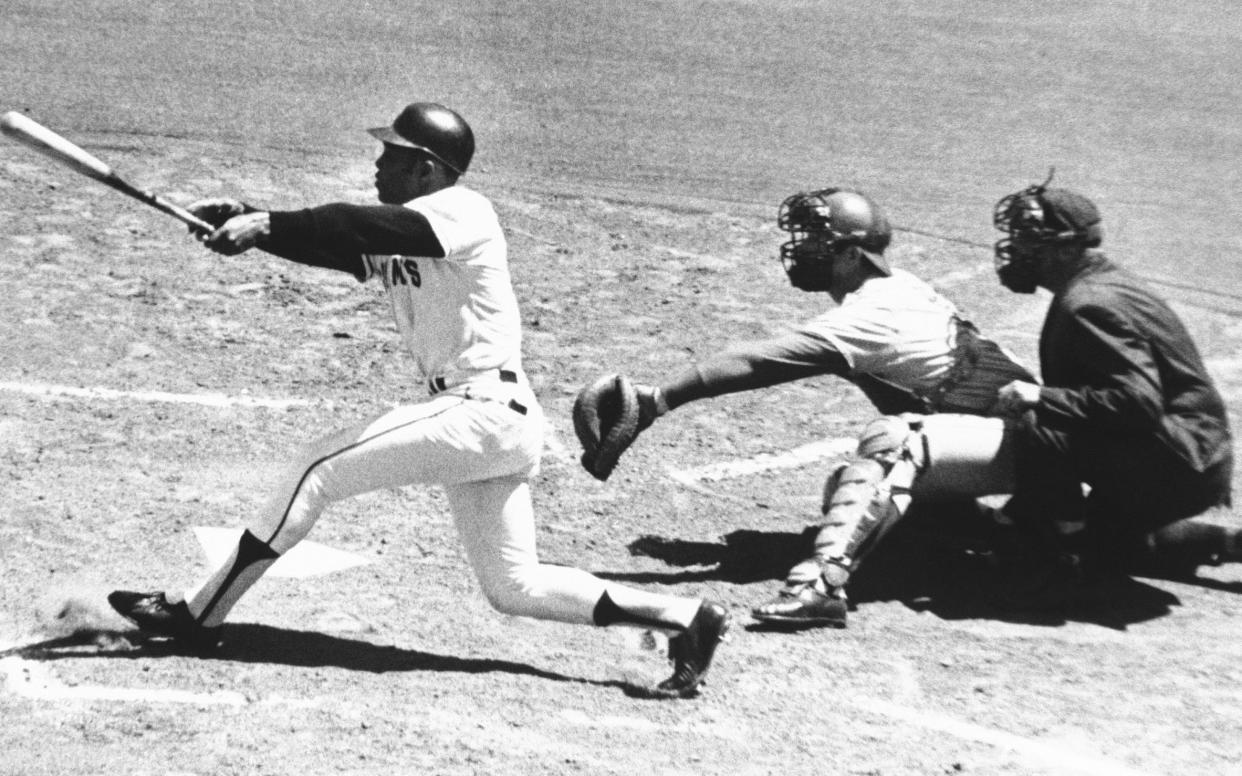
{"points": [[153, 614], [804, 606], [691, 652]]}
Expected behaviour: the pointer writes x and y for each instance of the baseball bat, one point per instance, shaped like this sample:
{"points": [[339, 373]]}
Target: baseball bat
{"points": [[29, 132]]}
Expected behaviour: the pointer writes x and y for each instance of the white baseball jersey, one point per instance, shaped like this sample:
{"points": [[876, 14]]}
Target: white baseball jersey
{"points": [[896, 328], [479, 436], [458, 314]]}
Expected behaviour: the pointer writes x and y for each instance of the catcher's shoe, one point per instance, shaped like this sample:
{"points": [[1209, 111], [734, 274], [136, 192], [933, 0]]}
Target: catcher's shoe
{"points": [[153, 614], [806, 606], [692, 651]]}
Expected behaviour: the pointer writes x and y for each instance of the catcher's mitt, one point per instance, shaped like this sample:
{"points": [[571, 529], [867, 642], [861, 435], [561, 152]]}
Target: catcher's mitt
{"points": [[608, 415]]}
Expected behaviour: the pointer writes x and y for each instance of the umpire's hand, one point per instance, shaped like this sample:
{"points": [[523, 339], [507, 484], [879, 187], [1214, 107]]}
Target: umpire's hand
{"points": [[1017, 397]]}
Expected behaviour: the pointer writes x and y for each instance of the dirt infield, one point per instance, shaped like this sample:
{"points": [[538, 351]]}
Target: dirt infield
{"points": [[148, 387]]}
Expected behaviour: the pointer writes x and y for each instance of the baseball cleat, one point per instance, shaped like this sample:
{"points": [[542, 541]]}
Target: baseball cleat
{"points": [[803, 605], [154, 615], [691, 652]]}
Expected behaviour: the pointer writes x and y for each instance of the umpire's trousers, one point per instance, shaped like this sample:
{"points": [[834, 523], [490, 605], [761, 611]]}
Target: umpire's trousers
{"points": [[1136, 484]]}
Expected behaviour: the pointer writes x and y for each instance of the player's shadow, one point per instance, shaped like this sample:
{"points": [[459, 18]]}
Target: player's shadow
{"points": [[746, 556], [254, 643], [932, 561]]}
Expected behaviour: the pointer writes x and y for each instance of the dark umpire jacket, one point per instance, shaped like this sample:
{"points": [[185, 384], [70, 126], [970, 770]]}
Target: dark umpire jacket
{"points": [[1118, 364]]}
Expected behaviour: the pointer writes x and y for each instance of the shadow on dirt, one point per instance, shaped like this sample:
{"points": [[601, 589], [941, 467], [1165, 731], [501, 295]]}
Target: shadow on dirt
{"points": [[252, 643], [746, 556], [928, 563]]}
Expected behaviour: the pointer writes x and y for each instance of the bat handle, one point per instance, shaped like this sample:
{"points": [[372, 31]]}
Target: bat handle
{"points": [[159, 203], [194, 222]]}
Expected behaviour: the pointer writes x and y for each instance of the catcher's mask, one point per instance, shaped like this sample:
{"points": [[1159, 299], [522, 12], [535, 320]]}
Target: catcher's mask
{"points": [[1036, 217], [824, 224]]}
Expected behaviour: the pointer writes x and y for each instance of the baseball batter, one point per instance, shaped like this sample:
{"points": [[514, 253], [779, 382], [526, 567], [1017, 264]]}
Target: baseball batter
{"points": [[439, 251], [905, 345]]}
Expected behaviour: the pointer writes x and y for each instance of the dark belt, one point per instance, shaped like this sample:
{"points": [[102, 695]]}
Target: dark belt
{"points": [[436, 385]]}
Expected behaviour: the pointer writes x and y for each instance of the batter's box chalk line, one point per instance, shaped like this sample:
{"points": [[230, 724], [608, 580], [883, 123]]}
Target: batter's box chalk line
{"points": [[53, 392]]}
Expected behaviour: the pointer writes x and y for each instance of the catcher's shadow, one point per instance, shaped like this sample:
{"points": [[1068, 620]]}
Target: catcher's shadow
{"points": [[744, 557], [929, 562]]}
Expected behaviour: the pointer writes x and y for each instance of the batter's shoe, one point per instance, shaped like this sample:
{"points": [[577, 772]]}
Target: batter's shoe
{"points": [[154, 615], [804, 606], [692, 651]]}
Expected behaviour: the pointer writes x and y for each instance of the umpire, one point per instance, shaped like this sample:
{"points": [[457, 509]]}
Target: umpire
{"points": [[1126, 406]]}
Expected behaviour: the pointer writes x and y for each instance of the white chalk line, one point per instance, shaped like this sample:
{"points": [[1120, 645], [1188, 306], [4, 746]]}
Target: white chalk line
{"points": [[31, 679], [790, 459], [552, 444], [1052, 755], [52, 392], [1057, 756]]}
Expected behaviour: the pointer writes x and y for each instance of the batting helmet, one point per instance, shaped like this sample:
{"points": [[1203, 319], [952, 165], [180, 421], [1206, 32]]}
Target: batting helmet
{"points": [[1041, 216], [433, 129], [824, 221]]}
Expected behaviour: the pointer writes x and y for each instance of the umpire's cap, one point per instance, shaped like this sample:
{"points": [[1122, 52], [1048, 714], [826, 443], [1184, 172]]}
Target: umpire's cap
{"points": [[434, 129], [1072, 212]]}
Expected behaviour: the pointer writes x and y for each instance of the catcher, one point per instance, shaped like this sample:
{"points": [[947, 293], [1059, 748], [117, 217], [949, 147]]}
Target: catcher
{"points": [[904, 345]]}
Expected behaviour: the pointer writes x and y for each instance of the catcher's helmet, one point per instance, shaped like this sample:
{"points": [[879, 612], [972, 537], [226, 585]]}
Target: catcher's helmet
{"points": [[1039, 215], [825, 221], [433, 129]]}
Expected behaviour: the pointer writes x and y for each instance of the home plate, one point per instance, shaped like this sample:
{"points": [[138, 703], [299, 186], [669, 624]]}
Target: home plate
{"points": [[306, 559]]}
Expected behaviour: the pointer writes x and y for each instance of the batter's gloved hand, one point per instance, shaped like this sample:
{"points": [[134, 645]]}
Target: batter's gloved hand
{"points": [[608, 416]]}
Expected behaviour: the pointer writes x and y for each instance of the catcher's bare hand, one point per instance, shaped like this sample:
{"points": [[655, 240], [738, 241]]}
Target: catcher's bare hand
{"points": [[239, 233]]}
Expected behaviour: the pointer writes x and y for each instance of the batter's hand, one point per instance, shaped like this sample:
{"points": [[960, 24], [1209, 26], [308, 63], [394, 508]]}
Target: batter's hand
{"points": [[240, 233], [217, 210], [1017, 397]]}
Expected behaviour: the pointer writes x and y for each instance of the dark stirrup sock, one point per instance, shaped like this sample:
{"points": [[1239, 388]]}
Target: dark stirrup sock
{"points": [[608, 613], [250, 550]]}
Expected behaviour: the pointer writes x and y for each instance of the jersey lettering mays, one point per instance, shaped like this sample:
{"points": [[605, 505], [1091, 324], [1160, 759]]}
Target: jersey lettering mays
{"points": [[457, 314]]}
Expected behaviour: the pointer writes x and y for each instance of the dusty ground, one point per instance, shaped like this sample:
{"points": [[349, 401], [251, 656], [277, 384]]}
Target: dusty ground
{"points": [[399, 666]]}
